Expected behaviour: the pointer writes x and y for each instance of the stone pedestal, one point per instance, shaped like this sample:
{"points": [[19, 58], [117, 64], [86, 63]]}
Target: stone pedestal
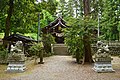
{"points": [[16, 66], [16, 63], [99, 67], [103, 63]]}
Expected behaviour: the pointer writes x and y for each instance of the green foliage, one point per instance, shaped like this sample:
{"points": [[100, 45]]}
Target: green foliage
{"points": [[35, 48], [73, 37], [3, 54], [47, 18], [48, 39], [1, 35], [110, 19], [3, 13], [109, 12], [49, 5], [31, 35], [25, 15], [74, 34], [70, 8]]}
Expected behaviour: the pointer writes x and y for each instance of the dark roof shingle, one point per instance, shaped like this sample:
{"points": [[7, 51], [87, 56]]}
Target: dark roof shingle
{"points": [[18, 37]]}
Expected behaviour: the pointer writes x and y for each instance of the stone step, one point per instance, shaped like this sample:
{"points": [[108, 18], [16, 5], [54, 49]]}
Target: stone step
{"points": [[60, 49], [59, 45]]}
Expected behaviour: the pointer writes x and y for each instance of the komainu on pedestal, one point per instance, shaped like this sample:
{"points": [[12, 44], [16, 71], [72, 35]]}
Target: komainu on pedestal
{"points": [[102, 58], [16, 58]]}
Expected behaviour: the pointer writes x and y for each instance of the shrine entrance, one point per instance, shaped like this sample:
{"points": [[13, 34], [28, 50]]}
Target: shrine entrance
{"points": [[59, 38], [55, 28]]}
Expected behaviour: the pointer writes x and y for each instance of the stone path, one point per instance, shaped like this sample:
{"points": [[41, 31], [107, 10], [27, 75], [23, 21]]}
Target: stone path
{"points": [[64, 68]]}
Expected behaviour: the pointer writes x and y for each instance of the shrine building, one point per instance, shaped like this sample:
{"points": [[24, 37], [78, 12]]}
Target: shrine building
{"points": [[55, 28]]}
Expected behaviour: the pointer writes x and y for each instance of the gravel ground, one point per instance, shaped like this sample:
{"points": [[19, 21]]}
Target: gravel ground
{"points": [[65, 68]]}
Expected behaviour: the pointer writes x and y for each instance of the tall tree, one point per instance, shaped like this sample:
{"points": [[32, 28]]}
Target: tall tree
{"points": [[23, 16], [7, 25], [62, 8], [110, 19], [86, 37], [78, 37], [70, 8], [3, 11], [49, 5]]}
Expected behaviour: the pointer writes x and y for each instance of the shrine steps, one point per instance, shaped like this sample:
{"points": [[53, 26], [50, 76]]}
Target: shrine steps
{"points": [[60, 49]]}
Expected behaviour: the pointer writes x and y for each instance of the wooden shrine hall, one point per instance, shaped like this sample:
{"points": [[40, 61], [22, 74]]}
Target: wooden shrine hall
{"points": [[55, 28]]}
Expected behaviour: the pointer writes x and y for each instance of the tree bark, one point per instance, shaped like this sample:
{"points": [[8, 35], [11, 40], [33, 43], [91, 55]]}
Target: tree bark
{"points": [[77, 56], [86, 38], [7, 25], [41, 57], [86, 5], [87, 49]]}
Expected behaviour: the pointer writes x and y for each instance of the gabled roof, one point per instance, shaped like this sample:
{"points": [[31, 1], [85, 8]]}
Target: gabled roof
{"points": [[58, 22], [18, 37]]}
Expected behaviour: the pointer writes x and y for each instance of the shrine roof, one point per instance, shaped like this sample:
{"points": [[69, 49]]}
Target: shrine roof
{"points": [[18, 37], [58, 21]]}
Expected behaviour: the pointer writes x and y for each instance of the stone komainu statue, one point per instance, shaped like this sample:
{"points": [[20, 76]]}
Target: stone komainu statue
{"points": [[16, 52], [102, 58], [102, 48], [16, 58], [17, 47]]}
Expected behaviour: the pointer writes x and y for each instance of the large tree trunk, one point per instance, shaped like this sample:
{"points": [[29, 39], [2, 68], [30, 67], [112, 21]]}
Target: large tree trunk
{"points": [[86, 38], [7, 25], [87, 50], [86, 5]]}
